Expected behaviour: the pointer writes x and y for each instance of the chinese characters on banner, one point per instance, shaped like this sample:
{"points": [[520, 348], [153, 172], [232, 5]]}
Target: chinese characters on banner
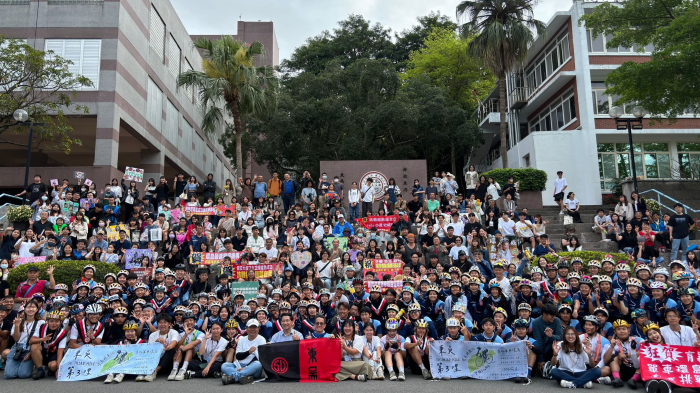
{"points": [[134, 174], [397, 285], [382, 267], [219, 210], [26, 260], [479, 360], [261, 271], [210, 258], [140, 273], [90, 361], [673, 363], [382, 223]]}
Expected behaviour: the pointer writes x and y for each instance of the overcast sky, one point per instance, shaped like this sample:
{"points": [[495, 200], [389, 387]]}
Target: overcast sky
{"points": [[297, 20]]}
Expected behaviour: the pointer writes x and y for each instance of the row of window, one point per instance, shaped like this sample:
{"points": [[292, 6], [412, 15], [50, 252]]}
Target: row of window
{"points": [[157, 42], [559, 114], [549, 63], [599, 45]]}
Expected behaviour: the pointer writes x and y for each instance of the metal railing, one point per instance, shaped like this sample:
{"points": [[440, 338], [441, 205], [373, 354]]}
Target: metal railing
{"points": [[9, 204], [521, 94], [660, 194], [487, 107]]}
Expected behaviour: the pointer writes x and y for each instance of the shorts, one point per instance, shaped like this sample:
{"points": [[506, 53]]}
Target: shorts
{"points": [[48, 357], [558, 197], [626, 372], [415, 369]]}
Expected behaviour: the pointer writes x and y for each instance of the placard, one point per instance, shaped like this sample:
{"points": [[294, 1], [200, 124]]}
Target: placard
{"points": [[79, 175], [140, 272], [219, 210], [382, 223], [87, 182], [25, 260], [342, 242], [92, 361], [677, 364], [133, 257], [134, 174], [382, 267], [261, 271], [395, 284], [249, 289], [210, 258], [53, 182], [300, 259], [113, 232], [478, 360]]}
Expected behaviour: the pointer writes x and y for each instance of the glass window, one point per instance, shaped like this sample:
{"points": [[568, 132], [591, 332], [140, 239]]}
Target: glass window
{"points": [[606, 147], [157, 34], [572, 106], [689, 165], [651, 168], [664, 163], [597, 44], [688, 146], [655, 147], [560, 117], [601, 102], [608, 49], [548, 123]]}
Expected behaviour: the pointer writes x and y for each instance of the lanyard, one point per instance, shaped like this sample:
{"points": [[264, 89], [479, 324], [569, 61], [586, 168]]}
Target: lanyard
{"points": [[597, 347]]}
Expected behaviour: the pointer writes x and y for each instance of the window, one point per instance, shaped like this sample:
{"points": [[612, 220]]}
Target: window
{"points": [[603, 102], [174, 55], [599, 45], [220, 166], [559, 114], [157, 33], [85, 55], [212, 159], [185, 143], [199, 151], [154, 106], [172, 117], [689, 160], [543, 68], [189, 91], [651, 161]]}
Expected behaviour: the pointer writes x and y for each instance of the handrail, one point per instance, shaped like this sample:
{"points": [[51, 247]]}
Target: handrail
{"points": [[6, 204], [11, 196], [659, 194]]}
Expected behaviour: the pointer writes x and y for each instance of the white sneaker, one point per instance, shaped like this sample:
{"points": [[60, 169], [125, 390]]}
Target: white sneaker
{"points": [[140, 378], [150, 377], [380, 373], [561, 212], [604, 381], [172, 375], [567, 384], [180, 374], [588, 385], [110, 378], [402, 376], [118, 378]]}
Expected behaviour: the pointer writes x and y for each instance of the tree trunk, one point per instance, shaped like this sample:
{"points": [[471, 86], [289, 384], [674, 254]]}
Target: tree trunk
{"points": [[239, 138], [454, 160], [503, 103]]}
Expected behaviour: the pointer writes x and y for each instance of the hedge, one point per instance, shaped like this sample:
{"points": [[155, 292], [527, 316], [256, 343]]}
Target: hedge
{"points": [[65, 272], [586, 256], [530, 179]]}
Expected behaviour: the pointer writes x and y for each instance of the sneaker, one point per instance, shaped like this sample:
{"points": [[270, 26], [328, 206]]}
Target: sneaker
{"points": [[518, 380], [652, 386], [150, 377], [617, 383], [110, 378], [172, 375], [547, 370], [392, 376], [588, 385], [402, 376], [189, 374], [665, 387], [180, 374], [446, 378], [427, 374], [605, 381], [567, 384], [118, 378], [227, 379], [561, 212], [217, 374], [245, 380], [362, 377], [380, 373], [140, 378], [527, 381], [39, 373], [632, 384]]}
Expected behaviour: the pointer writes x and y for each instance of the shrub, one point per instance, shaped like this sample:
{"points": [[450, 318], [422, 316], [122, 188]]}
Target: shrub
{"points": [[586, 256], [19, 213], [653, 205], [610, 199], [530, 179], [65, 272]]}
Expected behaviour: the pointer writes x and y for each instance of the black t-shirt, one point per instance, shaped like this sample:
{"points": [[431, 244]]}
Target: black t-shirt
{"points": [[35, 191], [239, 244], [470, 227], [40, 227], [3, 286], [681, 225]]}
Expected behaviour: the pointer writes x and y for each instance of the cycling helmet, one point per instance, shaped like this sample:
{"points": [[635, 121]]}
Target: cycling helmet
{"points": [[76, 309], [180, 266], [217, 303], [685, 291], [594, 263], [620, 323], [563, 265], [650, 325], [60, 287], [131, 325], [160, 288], [585, 280], [376, 288], [453, 322], [536, 269], [408, 289], [285, 306], [474, 269], [434, 288], [58, 300], [639, 313], [494, 284], [635, 282], [55, 314], [98, 285], [445, 276], [577, 260], [640, 267], [93, 309], [676, 262], [604, 278], [525, 283], [661, 270], [238, 294], [169, 272], [498, 263], [455, 269], [392, 324], [138, 301], [312, 303], [115, 286], [550, 266], [592, 319], [263, 310], [123, 273], [560, 286], [231, 324], [140, 285], [302, 303], [573, 275], [245, 308], [658, 285], [188, 315], [89, 267], [564, 306], [521, 323], [323, 292], [474, 280], [393, 307], [459, 307], [110, 275], [602, 310], [524, 306], [622, 267], [502, 311], [103, 301], [455, 284], [120, 311], [180, 309], [414, 307], [516, 280], [307, 285], [421, 323], [608, 258]]}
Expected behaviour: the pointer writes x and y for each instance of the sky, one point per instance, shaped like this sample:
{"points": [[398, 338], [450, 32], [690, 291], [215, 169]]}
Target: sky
{"points": [[297, 20]]}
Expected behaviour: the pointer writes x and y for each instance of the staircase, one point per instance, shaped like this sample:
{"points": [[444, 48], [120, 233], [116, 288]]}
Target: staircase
{"points": [[590, 240]]}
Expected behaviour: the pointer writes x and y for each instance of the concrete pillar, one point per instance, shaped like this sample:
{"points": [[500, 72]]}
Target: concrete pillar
{"points": [[107, 135], [153, 165]]}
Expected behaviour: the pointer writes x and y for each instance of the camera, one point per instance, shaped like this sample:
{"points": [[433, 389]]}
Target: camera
{"points": [[19, 354]]}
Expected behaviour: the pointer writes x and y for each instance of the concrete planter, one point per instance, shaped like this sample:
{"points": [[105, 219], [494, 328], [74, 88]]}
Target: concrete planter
{"points": [[530, 200]]}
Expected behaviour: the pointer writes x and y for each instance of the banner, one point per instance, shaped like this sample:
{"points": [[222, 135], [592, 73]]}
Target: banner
{"points": [[676, 364], [397, 285], [87, 204], [382, 223], [140, 272], [134, 256], [92, 361], [381, 267], [25, 260], [249, 289], [113, 232], [79, 175], [134, 174], [478, 360], [54, 182], [261, 271], [210, 258], [300, 259], [315, 360], [219, 210], [342, 242]]}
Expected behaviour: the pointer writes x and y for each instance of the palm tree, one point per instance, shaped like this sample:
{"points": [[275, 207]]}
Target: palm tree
{"points": [[231, 79], [503, 32]]}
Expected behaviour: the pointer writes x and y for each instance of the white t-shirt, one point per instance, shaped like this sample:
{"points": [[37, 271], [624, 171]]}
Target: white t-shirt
{"points": [[358, 344], [572, 361], [75, 336], [27, 328], [171, 336], [421, 348], [24, 249], [524, 228], [369, 194], [685, 338], [371, 346], [604, 346], [398, 338], [458, 227], [270, 253], [244, 345], [454, 252], [506, 228], [559, 185], [571, 204], [211, 347]]}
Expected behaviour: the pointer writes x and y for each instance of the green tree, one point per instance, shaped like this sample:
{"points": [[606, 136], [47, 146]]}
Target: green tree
{"points": [[444, 60], [231, 79], [668, 84], [411, 40], [42, 85], [503, 33]]}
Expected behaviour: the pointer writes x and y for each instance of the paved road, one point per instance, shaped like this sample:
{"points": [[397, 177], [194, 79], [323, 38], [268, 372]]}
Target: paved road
{"points": [[412, 383]]}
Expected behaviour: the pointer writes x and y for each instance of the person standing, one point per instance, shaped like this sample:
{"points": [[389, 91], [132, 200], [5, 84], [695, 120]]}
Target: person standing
{"points": [[339, 188], [679, 227], [289, 190], [367, 194], [560, 185], [274, 188], [471, 178], [209, 187], [354, 202], [323, 186]]}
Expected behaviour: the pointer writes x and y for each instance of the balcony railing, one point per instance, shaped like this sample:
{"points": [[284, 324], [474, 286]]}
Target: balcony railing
{"points": [[487, 107], [519, 96]]}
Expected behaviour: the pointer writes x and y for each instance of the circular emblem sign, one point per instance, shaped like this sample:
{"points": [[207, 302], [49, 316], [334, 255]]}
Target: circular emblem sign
{"points": [[379, 182], [280, 365]]}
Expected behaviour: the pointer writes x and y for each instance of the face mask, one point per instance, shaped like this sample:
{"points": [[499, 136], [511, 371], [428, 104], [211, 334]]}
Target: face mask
{"points": [[44, 198], [102, 224], [320, 222], [325, 177], [359, 235], [3, 266], [171, 236], [51, 244], [83, 189], [336, 180]]}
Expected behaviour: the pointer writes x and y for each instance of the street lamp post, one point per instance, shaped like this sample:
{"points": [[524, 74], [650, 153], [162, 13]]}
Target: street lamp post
{"points": [[21, 116], [629, 124]]}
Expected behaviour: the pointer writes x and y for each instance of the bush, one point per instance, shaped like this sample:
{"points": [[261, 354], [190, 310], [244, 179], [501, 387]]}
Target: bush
{"points": [[586, 256], [19, 213], [530, 179], [653, 205], [65, 272]]}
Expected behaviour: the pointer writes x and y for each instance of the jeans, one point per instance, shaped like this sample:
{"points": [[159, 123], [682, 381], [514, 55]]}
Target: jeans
{"points": [[659, 261], [579, 379], [523, 264], [253, 369], [628, 250], [288, 200], [683, 243], [326, 282], [15, 369], [355, 212]]}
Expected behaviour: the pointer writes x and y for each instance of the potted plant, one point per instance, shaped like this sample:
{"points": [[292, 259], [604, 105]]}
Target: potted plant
{"points": [[19, 216]]}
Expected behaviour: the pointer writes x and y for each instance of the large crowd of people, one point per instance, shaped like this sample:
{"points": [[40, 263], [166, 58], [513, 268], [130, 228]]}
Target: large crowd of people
{"points": [[475, 268]]}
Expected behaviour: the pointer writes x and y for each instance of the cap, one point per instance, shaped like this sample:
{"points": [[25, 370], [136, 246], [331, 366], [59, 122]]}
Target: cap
{"points": [[641, 239], [33, 268], [252, 322], [340, 215]]}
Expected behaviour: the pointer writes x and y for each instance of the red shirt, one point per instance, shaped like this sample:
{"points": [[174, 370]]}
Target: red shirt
{"points": [[648, 241], [24, 291]]}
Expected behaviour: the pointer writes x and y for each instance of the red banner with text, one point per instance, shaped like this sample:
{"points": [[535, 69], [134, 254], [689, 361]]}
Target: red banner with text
{"points": [[382, 223], [679, 365]]}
